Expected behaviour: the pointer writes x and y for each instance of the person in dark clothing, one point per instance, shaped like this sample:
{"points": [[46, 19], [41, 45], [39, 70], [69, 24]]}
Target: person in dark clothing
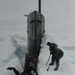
{"points": [[56, 53]]}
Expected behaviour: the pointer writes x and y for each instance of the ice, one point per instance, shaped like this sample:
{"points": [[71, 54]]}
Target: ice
{"points": [[6, 49], [67, 63], [13, 63]]}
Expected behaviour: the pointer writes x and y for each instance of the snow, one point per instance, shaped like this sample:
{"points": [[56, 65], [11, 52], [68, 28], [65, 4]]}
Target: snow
{"points": [[67, 63], [12, 52], [13, 63], [14, 46], [5, 48]]}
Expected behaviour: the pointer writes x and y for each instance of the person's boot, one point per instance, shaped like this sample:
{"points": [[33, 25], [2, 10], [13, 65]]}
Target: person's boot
{"points": [[53, 60], [51, 64], [57, 66]]}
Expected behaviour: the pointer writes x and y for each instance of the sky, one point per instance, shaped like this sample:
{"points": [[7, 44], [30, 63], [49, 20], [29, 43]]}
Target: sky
{"points": [[59, 14]]}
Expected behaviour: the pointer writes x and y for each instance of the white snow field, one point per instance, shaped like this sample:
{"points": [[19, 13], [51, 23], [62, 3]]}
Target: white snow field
{"points": [[67, 63], [12, 52], [13, 45]]}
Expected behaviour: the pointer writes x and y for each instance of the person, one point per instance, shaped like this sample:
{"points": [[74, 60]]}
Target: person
{"points": [[56, 53]]}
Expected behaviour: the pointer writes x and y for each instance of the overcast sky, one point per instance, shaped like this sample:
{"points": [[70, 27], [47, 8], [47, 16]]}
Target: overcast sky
{"points": [[59, 14]]}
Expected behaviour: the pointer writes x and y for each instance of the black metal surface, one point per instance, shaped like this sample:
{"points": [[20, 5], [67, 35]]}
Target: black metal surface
{"points": [[39, 6], [35, 32], [35, 29]]}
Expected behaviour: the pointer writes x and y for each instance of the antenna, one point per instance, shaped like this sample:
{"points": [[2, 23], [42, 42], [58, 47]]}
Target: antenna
{"points": [[39, 6]]}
